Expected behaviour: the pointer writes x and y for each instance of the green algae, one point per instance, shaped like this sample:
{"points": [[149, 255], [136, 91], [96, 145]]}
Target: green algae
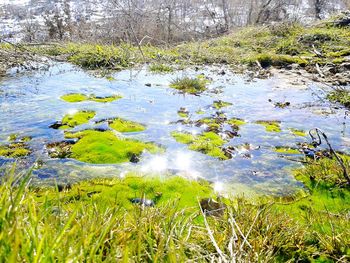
{"points": [[76, 119], [74, 97], [298, 132], [105, 99], [219, 104], [104, 147], [208, 143], [183, 113], [14, 150], [286, 150], [236, 122], [15, 137], [270, 126], [78, 97], [122, 125], [190, 85], [200, 112]]}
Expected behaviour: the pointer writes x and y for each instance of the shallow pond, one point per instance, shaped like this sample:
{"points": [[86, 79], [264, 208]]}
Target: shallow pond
{"points": [[30, 103]]}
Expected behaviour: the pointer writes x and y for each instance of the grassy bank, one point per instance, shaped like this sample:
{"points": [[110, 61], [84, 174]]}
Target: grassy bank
{"points": [[96, 221], [278, 45]]}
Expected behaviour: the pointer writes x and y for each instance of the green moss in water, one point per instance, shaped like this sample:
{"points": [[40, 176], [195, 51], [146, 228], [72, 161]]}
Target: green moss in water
{"points": [[270, 126], [200, 112], [13, 137], [160, 68], [161, 190], [74, 97], [14, 150], [105, 99], [286, 150], [341, 96], [77, 97], [208, 143], [183, 113], [297, 132], [76, 119], [236, 122], [106, 148], [212, 123], [221, 104], [328, 199], [122, 125], [190, 85]]}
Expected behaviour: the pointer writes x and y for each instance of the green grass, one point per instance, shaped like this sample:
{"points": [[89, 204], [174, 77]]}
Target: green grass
{"points": [[106, 148], [76, 119], [122, 125], [189, 85], [94, 221], [277, 45], [160, 68], [208, 143]]}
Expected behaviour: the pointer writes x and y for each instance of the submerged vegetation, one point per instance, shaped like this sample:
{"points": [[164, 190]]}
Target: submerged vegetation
{"points": [[208, 143], [78, 97], [16, 148], [122, 125], [270, 126]]}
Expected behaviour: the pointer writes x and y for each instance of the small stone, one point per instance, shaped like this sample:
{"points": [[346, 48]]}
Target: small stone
{"points": [[210, 207], [148, 85], [134, 158], [142, 201]]}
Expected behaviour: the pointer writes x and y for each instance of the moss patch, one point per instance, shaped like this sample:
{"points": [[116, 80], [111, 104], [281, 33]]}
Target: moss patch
{"points": [[221, 104], [270, 126], [74, 97], [236, 122], [325, 210], [106, 148], [183, 113], [190, 85], [78, 97], [286, 150], [208, 143], [297, 132], [122, 125], [105, 99], [160, 190], [14, 150], [76, 119], [341, 96]]}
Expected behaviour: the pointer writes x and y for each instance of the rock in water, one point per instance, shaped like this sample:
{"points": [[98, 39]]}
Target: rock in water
{"points": [[210, 207], [142, 201]]}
